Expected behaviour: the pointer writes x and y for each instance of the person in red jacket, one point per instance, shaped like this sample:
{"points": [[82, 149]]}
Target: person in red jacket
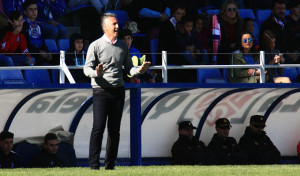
{"points": [[13, 41]]}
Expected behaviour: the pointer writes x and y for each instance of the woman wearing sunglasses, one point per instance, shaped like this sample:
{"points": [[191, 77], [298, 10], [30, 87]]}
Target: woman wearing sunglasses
{"points": [[231, 26], [244, 55], [272, 57]]}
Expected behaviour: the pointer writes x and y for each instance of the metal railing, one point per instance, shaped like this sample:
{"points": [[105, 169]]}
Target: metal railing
{"points": [[64, 69]]}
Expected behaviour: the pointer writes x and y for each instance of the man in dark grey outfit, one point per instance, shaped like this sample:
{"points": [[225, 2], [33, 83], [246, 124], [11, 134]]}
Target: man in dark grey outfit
{"points": [[104, 61]]}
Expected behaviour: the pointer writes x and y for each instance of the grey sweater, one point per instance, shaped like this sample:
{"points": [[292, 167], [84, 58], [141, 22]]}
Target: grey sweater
{"points": [[113, 57]]}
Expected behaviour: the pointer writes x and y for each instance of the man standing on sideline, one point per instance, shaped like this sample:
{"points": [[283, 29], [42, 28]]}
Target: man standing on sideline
{"points": [[8, 158], [104, 61]]}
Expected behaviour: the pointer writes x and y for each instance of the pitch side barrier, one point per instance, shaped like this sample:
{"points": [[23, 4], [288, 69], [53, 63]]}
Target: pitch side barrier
{"points": [[152, 113]]}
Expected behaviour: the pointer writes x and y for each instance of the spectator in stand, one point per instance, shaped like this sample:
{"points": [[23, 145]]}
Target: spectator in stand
{"points": [[126, 36], [76, 57], [272, 57], [189, 43], [188, 150], [293, 25], [8, 158], [244, 55], [225, 147], [257, 144], [13, 41], [12, 5], [98, 4], [203, 33], [276, 23], [50, 9], [150, 14], [231, 27], [34, 34], [47, 157], [249, 26]]}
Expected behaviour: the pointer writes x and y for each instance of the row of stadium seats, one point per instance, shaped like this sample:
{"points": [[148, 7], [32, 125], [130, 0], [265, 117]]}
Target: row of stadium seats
{"points": [[62, 44], [213, 75]]}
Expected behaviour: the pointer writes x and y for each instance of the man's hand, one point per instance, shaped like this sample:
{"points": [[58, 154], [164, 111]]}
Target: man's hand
{"points": [[143, 68], [100, 70]]}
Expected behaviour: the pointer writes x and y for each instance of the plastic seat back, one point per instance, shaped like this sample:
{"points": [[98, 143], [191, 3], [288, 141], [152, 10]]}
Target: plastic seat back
{"points": [[63, 44], [211, 75], [122, 16], [37, 76], [11, 77]]}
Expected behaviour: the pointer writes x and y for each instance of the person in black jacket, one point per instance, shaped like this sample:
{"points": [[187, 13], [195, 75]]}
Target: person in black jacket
{"points": [[257, 144], [188, 150], [47, 157], [225, 147], [8, 158]]}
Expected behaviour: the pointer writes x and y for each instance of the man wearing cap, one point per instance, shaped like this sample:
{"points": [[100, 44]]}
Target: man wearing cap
{"points": [[225, 147], [188, 150], [257, 144], [8, 158]]}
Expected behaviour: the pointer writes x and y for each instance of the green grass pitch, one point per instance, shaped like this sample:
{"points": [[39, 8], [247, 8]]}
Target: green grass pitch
{"points": [[249, 170]]}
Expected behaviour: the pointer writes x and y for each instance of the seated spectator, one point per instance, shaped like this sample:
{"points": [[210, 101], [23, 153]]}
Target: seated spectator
{"points": [[225, 147], [249, 26], [13, 41], [277, 24], [126, 36], [257, 144], [204, 33], [98, 4], [12, 5], [34, 34], [8, 158], [293, 26], [47, 157], [231, 27], [243, 56], [188, 150], [272, 57], [189, 43], [52, 29], [76, 57]]}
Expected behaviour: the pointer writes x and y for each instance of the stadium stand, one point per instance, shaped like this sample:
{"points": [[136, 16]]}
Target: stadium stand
{"points": [[51, 44], [11, 77], [292, 73], [213, 11], [262, 15], [247, 13], [122, 16], [37, 76], [212, 75], [63, 44]]}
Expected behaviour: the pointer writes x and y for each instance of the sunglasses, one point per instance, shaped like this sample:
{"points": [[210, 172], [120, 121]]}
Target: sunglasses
{"points": [[231, 9], [225, 127], [247, 40], [259, 126]]}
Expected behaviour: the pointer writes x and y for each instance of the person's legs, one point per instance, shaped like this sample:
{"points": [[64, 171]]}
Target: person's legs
{"points": [[6, 60], [20, 60], [50, 31], [101, 101], [113, 127]]}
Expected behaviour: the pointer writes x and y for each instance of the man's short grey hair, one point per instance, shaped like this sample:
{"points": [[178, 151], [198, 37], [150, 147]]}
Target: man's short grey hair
{"points": [[105, 16]]}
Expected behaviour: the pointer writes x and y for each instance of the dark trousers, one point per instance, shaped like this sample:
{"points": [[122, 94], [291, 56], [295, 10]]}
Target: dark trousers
{"points": [[107, 106]]}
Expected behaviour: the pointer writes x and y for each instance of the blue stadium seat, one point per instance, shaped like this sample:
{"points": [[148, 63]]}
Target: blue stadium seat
{"points": [[214, 11], [11, 77], [262, 15], [154, 50], [37, 76], [27, 152], [51, 44], [66, 153], [122, 16], [247, 13], [63, 44], [292, 73], [211, 75]]}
